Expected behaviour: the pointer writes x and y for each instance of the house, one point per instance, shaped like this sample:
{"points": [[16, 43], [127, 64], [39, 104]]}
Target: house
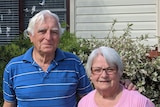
{"points": [[88, 17], [94, 17]]}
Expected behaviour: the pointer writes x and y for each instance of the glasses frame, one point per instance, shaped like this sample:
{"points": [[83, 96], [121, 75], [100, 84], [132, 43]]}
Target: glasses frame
{"points": [[99, 70]]}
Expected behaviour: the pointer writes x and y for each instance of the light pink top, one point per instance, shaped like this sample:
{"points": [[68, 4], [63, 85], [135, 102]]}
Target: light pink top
{"points": [[129, 98]]}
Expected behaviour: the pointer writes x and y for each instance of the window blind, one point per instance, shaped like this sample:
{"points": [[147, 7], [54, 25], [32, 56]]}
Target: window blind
{"points": [[31, 7], [9, 15], [9, 20]]}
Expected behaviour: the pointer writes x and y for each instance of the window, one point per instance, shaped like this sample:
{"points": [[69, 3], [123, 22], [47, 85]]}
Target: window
{"points": [[15, 15], [9, 20], [31, 7]]}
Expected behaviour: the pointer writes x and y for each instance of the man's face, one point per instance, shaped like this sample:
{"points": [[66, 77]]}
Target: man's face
{"points": [[46, 36]]}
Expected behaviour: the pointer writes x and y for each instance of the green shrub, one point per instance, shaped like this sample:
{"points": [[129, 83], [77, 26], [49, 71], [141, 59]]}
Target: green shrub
{"points": [[69, 42]]}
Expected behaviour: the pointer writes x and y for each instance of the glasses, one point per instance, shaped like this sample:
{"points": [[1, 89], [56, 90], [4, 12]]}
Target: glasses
{"points": [[99, 70]]}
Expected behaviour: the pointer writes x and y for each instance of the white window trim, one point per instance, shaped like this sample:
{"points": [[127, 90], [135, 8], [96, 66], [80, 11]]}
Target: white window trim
{"points": [[72, 16], [158, 17], [158, 22]]}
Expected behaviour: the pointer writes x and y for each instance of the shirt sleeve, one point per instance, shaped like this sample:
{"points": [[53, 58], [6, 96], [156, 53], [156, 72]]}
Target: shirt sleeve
{"points": [[8, 92], [84, 85], [149, 103]]}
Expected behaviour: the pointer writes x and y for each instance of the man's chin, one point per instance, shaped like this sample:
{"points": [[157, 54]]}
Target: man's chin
{"points": [[47, 50]]}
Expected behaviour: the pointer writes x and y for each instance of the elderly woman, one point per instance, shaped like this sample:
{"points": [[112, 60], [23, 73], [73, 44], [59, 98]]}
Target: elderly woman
{"points": [[105, 68]]}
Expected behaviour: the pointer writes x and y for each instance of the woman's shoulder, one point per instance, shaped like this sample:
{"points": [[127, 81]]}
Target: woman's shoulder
{"points": [[134, 94], [87, 98], [137, 98], [89, 95]]}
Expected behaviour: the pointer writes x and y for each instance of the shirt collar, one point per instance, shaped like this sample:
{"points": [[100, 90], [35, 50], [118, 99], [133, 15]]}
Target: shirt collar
{"points": [[59, 55]]}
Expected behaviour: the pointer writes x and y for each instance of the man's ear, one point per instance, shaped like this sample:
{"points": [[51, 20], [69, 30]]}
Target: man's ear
{"points": [[30, 37]]}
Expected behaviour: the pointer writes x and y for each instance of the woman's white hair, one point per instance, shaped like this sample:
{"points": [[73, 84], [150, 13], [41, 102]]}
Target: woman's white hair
{"points": [[40, 17], [111, 56]]}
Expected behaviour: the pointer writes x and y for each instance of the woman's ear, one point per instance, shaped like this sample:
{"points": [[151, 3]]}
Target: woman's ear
{"points": [[90, 77]]}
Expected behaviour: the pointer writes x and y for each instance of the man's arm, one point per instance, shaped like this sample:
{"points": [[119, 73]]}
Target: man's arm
{"points": [[9, 104], [128, 84]]}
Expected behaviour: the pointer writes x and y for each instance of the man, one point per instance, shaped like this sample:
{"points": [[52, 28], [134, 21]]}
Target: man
{"points": [[44, 76]]}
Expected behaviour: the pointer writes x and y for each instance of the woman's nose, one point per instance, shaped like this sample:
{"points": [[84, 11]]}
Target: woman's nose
{"points": [[104, 73]]}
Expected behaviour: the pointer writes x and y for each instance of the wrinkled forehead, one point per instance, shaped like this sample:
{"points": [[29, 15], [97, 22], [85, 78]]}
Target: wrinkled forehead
{"points": [[43, 18], [44, 28], [47, 21]]}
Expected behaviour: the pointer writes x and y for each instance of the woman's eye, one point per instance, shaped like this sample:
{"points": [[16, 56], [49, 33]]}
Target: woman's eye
{"points": [[97, 70], [110, 70]]}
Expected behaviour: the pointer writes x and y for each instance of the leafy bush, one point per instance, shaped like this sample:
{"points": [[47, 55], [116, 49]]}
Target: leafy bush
{"points": [[69, 42]]}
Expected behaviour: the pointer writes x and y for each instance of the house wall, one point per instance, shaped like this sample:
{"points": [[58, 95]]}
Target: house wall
{"points": [[94, 17]]}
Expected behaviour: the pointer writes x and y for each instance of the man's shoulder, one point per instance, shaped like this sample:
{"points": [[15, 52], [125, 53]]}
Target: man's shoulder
{"points": [[17, 58], [20, 58], [25, 56], [67, 55]]}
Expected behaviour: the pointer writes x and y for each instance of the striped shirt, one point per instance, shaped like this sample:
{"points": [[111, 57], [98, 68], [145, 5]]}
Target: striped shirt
{"points": [[27, 84]]}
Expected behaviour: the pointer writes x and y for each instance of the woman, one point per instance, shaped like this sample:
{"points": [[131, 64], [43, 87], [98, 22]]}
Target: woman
{"points": [[105, 69]]}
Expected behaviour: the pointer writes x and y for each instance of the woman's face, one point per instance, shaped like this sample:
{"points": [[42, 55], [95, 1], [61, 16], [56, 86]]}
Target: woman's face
{"points": [[103, 76]]}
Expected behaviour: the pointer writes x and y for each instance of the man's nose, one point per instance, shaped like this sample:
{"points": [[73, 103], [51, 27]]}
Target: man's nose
{"points": [[48, 35]]}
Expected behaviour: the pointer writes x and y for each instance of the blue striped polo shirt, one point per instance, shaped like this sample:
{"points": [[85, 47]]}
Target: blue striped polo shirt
{"points": [[27, 84]]}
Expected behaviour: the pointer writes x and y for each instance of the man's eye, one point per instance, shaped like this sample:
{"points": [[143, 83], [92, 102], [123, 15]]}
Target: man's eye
{"points": [[42, 31], [54, 32]]}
